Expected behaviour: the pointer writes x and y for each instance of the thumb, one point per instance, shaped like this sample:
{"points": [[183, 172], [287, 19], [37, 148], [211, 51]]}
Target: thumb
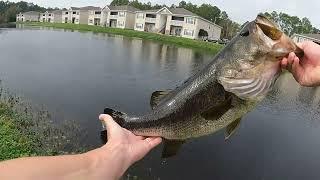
{"points": [[109, 124]]}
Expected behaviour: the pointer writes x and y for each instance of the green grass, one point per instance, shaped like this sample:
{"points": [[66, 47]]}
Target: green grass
{"points": [[184, 42], [26, 130], [14, 142]]}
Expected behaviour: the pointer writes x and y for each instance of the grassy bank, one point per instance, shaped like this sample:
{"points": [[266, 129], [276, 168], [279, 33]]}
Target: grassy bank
{"points": [[14, 142], [26, 130], [212, 47]]}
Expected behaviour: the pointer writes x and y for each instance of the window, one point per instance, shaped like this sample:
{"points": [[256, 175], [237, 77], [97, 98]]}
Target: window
{"points": [[90, 21], [120, 23], [190, 21], [74, 12], [49, 14], [151, 15], [188, 32], [177, 18], [139, 26], [43, 15], [113, 13], [122, 14], [140, 15], [22, 15], [97, 12], [66, 12]]}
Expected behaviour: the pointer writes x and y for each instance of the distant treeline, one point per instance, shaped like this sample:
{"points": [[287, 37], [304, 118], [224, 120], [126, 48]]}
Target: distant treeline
{"points": [[290, 24], [8, 10]]}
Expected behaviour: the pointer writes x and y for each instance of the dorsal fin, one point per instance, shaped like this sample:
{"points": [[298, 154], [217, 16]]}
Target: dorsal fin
{"points": [[157, 96]]}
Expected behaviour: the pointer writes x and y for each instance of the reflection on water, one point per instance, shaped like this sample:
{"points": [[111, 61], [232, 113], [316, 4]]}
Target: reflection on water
{"points": [[78, 74]]}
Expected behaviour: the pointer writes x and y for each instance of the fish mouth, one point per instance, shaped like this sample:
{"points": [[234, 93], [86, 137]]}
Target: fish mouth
{"points": [[282, 45]]}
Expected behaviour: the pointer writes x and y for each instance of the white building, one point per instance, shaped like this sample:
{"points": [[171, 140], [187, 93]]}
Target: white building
{"points": [[119, 16], [95, 15], [176, 22], [306, 37], [77, 15], [51, 16], [31, 16]]}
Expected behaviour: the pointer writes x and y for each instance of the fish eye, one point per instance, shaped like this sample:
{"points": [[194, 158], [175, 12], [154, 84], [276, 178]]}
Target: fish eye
{"points": [[245, 33]]}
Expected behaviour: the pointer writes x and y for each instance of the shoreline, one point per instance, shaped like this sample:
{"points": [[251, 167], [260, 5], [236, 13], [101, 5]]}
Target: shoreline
{"points": [[179, 41]]}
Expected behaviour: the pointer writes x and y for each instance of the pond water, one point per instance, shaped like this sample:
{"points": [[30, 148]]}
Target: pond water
{"points": [[76, 75]]}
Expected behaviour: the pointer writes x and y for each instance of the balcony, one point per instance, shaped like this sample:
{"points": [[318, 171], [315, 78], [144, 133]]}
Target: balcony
{"points": [[113, 16], [177, 23], [150, 20]]}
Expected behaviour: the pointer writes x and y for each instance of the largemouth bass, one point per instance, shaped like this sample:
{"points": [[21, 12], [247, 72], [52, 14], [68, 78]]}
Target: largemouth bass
{"points": [[217, 97]]}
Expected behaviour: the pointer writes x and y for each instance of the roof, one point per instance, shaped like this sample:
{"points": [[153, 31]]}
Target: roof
{"points": [[90, 8], [74, 8], [314, 37], [123, 8], [56, 11], [31, 12], [150, 10], [181, 11]]}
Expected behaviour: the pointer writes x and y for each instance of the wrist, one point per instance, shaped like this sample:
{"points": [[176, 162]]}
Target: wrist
{"points": [[109, 161]]}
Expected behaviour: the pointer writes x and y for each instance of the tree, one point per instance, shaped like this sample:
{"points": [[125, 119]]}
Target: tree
{"points": [[291, 24], [119, 2], [182, 4], [8, 10]]}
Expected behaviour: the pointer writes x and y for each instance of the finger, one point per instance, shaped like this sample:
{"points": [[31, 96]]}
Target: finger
{"points": [[109, 124], [146, 145], [297, 70], [291, 58], [152, 142], [284, 63]]}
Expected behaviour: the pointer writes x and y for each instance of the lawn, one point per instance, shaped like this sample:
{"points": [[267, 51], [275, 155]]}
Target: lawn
{"points": [[180, 41]]}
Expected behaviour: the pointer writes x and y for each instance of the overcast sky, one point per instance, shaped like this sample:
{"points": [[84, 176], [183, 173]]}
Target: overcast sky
{"points": [[240, 11]]}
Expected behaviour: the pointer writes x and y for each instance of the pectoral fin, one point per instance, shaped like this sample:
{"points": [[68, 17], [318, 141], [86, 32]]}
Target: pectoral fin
{"points": [[171, 148], [231, 128], [157, 96]]}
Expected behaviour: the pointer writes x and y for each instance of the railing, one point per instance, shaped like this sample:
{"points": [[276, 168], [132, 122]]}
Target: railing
{"points": [[152, 20], [176, 23], [162, 28], [113, 16]]}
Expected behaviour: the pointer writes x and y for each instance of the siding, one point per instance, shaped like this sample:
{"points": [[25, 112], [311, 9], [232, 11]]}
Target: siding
{"points": [[214, 31], [83, 16], [130, 20]]}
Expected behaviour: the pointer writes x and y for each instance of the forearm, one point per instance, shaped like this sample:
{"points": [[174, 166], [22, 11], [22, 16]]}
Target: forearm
{"points": [[106, 163], [59, 167]]}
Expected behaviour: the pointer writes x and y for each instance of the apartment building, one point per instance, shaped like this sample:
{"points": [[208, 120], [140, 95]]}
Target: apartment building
{"points": [[119, 16], [31, 16], [77, 15], [95, 16], [176, 22], [51, 16]]}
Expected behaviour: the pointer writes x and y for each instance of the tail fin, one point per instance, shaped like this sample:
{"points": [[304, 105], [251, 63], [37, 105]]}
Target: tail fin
{"points": [[119, 117]]}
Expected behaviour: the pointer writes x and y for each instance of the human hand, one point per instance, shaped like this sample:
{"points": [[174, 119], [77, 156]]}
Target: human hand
{"points": [[306, 70], [121, 151]]}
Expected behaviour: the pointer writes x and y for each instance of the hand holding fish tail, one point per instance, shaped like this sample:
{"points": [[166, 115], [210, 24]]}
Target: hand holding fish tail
{"points": [[306, 70], [122, 149]]}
